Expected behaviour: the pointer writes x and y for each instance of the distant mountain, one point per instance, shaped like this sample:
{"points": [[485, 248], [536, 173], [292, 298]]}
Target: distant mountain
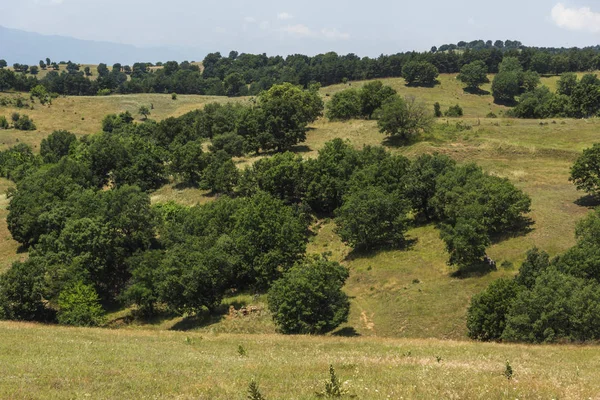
{"points": [[23, 47]]}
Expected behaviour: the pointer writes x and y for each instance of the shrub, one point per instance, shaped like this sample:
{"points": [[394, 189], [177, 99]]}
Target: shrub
{"points": [[24, 124], [309, 298], [79, 305], [437, 110], [104, 92], [4, 123], [173, 96], [454, 111], [486, 316]]}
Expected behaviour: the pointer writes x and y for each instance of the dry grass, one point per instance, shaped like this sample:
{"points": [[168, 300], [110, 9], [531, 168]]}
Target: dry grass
{"points": [[109, 364]]}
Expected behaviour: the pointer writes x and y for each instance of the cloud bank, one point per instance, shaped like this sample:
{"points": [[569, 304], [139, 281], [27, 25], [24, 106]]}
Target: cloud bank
{"points": [[576, 19]]}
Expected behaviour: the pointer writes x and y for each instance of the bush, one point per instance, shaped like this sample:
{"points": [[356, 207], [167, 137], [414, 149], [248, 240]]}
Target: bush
{"points": [[104, 92], [486, 316], [437, 110], [371, 217], [79, 305], [309, 298], [454, 111], [4, 123], [24, 124], [173, 96]]}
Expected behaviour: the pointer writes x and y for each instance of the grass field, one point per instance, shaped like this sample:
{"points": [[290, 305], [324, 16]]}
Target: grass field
{"points": [[111, 364], [387, 301]]}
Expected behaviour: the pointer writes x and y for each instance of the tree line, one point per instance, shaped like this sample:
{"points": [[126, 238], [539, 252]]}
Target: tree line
{"points": [[249, 74]]}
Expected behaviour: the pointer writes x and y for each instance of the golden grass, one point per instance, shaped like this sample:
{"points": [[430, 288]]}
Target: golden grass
{"points": [[40, 362]]}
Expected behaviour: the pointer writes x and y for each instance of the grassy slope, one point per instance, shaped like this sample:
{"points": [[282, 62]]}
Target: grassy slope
{"points": [[108, 364], [386, 302]]}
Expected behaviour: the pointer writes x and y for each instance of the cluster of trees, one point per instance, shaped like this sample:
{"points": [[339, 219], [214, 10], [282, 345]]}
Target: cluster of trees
{"points": [[512, 80], [576, 98], [396, 115], [94, 241], [242, 74], [20, 122]]}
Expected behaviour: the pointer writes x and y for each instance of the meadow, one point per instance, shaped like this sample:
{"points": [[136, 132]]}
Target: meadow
{"points": [[407, 307], [38, 362]]}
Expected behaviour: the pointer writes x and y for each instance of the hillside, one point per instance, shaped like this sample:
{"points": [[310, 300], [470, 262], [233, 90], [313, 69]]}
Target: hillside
{"points": [[108, 364], [28, 48], [401, 293]]}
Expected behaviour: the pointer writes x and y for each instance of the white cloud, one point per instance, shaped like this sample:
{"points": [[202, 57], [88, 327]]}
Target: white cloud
{"points": [[250, 20], [334, 34], [577, 19], [284, 16], [325, 33], [299, 30]]}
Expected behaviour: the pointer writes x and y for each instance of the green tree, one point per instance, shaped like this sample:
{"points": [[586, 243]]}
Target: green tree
{"points": [[420, 73], [559, 307], [23, 293], [566, 84], [344, 105], [473, 75], [372, 96], [585, 172], [287, 110], [505, 87], [56, 146], [370, 217], [404, 117], [486, 315], [269, 238], [309, 298], [79, 305], [3, 64], [188, 162], [466, 241], [144, 111]]}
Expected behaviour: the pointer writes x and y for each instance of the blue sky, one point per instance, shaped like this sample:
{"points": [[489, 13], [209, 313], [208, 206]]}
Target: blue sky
{"points": [[309, 26]]}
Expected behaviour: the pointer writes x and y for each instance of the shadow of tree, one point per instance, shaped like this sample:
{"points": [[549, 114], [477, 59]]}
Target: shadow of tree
{"points": [[476, 91], [589, 201], [522, 227], [478, 269], [348, 331], [359, 253]]}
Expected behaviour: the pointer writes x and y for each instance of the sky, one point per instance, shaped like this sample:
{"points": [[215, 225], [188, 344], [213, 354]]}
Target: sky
{"points": [[367, 28]]}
